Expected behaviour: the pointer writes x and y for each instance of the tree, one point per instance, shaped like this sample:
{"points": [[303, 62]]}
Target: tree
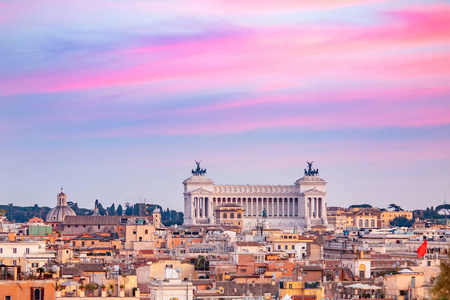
{"points": [[101, 210], [441, 288], [395, 207], [40, 270], [401, 222], [360, 206], [119, 211], [112, 210], [136, 209], [129, 211]]}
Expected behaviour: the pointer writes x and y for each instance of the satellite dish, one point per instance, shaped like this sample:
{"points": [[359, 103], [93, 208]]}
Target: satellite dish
{"points": [[55, 268], [178, 270], [299, 278]]}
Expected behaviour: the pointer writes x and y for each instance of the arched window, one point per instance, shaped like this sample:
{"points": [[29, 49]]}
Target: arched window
{"points": [[239, 215], [37, 294], [362, 271], [360, 223], [224, 215], [373, 223], [232, 216], [366, 223]]}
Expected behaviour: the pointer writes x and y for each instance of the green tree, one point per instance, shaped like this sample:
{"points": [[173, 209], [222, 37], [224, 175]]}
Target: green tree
{"points": [[129, 211], [395, 207], [112, 210], [401, 222], [119, 210], [441, 288], [360, 206]]}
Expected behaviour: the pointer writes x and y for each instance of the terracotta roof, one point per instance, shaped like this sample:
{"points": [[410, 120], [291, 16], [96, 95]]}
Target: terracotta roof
{"points": [[303, 297]]}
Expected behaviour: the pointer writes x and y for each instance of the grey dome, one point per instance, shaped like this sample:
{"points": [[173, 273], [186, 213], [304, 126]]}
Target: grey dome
{"points": [[61, 210]]}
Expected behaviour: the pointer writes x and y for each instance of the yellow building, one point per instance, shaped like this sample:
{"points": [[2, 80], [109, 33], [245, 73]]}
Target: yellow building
{"points": [[229, 214], [139, 234], [301, 288], [388, 216], [407, 283]]}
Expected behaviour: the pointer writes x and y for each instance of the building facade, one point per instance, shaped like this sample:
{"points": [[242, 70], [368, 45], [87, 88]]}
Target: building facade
{"points": [[300, 205]]}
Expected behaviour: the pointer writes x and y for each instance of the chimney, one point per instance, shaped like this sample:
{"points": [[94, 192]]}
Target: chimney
{"points": [[354, 248]]}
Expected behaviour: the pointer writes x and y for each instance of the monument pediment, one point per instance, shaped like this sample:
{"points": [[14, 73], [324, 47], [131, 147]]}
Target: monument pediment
{"points": [[199, 191], [314, 191]]}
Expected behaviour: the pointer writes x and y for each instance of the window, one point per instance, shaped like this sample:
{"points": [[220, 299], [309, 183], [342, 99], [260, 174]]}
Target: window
{"points": [[1, 250], [7, 297], [279, 247], [243, 270], [146, 231], [367, 223], [373, 223], [134, 231], [360, 223], [140, 239], [290, 285], [413, 282], [232, 216], [239, 215], [285, 247], [98, 226], [15, 262], [225, 215], [38, 293], [293, 247], [92, 243], [34, 265], [14, 250], [82, 244]]}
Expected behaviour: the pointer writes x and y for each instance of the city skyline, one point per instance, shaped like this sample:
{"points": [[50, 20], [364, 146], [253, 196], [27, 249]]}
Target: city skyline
{"points": [[116, 101]]}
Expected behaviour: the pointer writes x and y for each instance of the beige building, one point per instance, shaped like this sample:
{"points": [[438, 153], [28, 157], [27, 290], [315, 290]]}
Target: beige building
{"points": [[293, 244], [407, 284], [366, 218], [157, 270], [139, 234], [28, 255]]}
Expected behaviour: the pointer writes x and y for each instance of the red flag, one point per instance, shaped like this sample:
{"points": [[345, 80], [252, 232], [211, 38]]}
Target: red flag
{"points": [[422, 250]]}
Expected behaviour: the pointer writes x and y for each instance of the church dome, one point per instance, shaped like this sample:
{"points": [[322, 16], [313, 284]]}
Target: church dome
{"points": [[61, 210]]}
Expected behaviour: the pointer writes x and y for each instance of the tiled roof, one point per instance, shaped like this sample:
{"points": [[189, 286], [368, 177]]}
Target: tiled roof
{"points": [[238, 289], [303, 297], [70, 271], [93, 220], [241, 244], [91, 267]]}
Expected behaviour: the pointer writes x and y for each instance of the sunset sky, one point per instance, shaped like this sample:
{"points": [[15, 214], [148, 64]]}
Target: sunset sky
{"points": [[114, 100]]}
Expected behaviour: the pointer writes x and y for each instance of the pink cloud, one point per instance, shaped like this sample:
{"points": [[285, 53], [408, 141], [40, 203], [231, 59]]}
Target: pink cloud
{"points": [[269, 57]]}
